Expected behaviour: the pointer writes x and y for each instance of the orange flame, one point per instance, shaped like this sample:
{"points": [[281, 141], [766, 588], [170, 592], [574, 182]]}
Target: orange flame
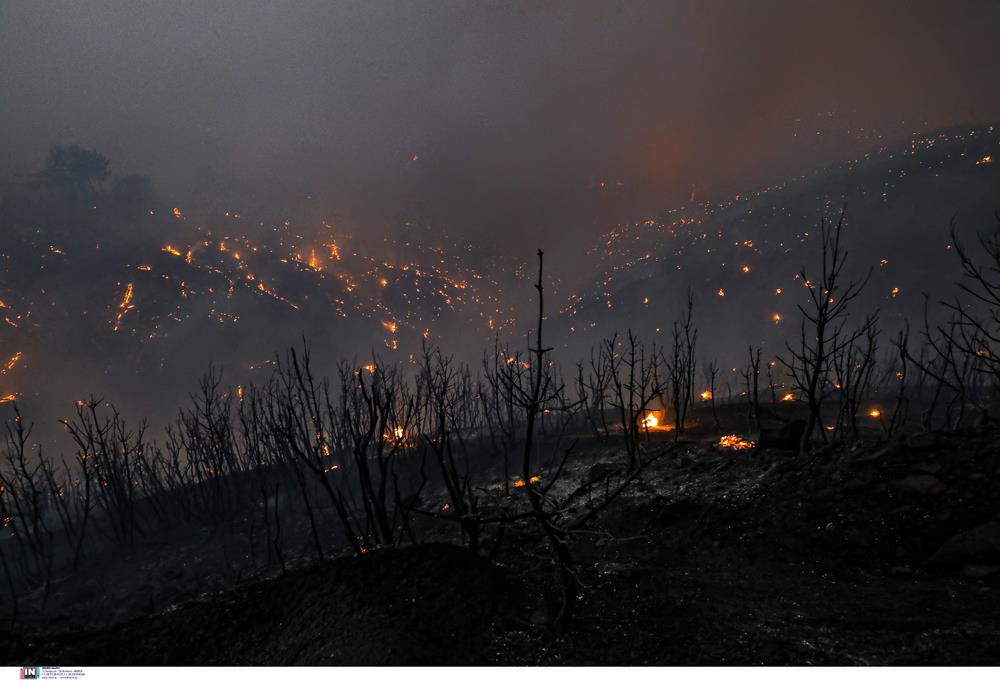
{"points": [[124, 307], [736, 442]]}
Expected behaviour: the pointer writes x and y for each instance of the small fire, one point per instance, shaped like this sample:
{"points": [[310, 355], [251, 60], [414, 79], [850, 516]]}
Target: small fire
{"points": [[736, 442], [706, 395], [875, 413], [170, 249], [650, 420], [721, 293], [746, 269], [776, 317], [985, 160], [177, 213], [788, 397], [895, 292], [7, 398], [535, 479], [124, 307], [396, 437], [12, 362]]}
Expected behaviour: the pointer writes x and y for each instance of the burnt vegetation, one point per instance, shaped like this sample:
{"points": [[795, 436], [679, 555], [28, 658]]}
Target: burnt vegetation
{"points": [[530, 467]]}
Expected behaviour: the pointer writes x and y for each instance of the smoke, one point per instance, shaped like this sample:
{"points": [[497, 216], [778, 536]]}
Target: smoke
{"points": [[510, 125], [515, 112]]}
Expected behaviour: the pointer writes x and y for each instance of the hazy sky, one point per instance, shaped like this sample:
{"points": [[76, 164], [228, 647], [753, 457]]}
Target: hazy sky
{"points": [[517, 110]]}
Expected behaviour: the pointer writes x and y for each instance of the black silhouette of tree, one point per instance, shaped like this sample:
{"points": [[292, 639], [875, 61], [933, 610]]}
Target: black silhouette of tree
{"points": [[75, 169], [131, 194]]}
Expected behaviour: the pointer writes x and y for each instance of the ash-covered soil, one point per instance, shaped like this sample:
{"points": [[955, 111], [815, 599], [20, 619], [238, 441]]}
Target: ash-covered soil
{"points": [[885, 553]]}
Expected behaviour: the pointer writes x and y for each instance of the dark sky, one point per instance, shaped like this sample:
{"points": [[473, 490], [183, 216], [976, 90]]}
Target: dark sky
{"points": [[517, 110]]}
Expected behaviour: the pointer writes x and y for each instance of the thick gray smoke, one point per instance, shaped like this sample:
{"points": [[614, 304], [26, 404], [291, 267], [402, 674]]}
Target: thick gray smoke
{"points": [[511, 125], [516, 112]]}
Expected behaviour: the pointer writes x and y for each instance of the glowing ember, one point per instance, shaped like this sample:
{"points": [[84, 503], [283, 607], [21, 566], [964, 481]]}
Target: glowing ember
{"points": [[736, 442], [895, 291], [12, 362], [721, 293], [875, 413], [776, 317], [177, 213], [535, 479], [124, 307]]}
